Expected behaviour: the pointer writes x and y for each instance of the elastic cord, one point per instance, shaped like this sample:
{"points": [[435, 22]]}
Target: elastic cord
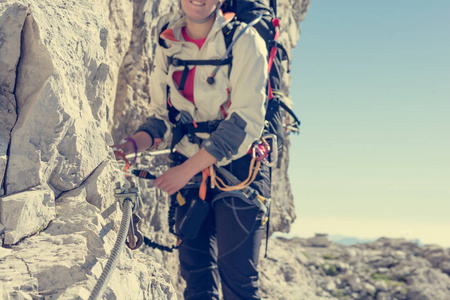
{"points": [[135, 147]]}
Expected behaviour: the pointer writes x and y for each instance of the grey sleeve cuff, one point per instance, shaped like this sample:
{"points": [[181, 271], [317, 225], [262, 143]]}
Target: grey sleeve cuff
{"points": [[154, 127], [228, 137]]}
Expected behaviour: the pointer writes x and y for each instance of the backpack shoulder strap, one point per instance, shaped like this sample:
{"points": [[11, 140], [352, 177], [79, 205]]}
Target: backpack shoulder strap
{"points": [[229, 30], [228, 34], [273, 5]]}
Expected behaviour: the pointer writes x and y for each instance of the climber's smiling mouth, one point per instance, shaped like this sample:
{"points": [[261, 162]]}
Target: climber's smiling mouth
{"points": [[197, 3]]}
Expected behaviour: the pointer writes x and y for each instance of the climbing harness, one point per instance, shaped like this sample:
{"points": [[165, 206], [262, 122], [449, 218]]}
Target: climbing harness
{"points": [[261, 152], [248, 192]]}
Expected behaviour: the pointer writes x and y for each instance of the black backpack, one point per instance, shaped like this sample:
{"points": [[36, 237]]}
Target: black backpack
{"points": [[246, 11], [268, 28]]}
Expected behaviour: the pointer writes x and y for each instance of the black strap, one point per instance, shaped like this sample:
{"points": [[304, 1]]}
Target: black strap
{"points": [[143, 174], [267, 234], [207, 127], [155, 245], [177, 62], [228, 34], [284, 53], [161, 42], [289, 111], [209, 62], [273, 5], [183, 78], [171, 223], [181, 130]]}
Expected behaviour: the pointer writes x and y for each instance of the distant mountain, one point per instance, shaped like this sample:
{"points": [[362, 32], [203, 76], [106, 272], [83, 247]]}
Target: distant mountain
{"points": [[348, 240]]}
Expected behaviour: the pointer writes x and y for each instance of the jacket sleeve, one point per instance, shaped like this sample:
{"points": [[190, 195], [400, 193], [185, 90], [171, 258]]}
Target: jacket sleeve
{"points": [[157, 125], [245, 121]]}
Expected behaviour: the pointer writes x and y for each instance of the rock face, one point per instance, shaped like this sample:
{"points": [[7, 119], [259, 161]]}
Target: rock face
{"points": [[74, 79], [59, 66]]}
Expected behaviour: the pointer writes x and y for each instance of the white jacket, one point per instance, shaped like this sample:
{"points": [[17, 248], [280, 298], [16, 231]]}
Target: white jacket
{"points": [[246, 85]]}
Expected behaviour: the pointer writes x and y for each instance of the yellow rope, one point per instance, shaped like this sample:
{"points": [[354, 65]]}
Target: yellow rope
{"points": [[212, 173], [252, 172]]}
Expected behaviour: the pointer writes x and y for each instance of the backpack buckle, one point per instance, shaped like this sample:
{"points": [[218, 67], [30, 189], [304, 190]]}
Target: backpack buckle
{"points": [[176, 62]]}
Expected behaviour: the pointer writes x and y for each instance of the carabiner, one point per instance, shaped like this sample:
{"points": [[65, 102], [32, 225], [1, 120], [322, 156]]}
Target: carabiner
{"points": [[133, 233], [273, 156]]}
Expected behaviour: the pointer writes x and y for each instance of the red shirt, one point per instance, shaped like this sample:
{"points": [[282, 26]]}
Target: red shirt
{"points": [[188, 91]]}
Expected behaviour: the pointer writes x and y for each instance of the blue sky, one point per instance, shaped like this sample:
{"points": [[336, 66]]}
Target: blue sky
{"points": [[371, 84]]}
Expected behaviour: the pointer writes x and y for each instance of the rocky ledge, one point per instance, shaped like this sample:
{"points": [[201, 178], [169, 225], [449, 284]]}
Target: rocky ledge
{"points": [[386, 269]]}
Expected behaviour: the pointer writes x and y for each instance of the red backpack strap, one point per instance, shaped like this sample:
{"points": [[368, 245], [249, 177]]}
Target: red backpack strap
{"points": [[273, 50]]}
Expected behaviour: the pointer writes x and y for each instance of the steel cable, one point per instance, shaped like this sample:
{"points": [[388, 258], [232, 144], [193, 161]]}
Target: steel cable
{"points": [[103, 280]]}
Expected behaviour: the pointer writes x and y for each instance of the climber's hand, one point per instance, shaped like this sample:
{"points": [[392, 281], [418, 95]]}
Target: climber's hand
{"points": [[173, 179]]}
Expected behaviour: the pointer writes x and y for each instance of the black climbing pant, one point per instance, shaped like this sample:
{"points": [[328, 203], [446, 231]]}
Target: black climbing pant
{"points": [[226, 248]]}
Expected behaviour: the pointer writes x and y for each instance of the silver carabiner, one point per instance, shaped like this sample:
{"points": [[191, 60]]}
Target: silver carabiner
{"points": [[272, 162]]}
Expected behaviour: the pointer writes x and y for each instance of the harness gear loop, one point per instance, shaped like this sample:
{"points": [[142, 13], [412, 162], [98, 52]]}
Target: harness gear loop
{"points": [[253, 171], [248, 192]]}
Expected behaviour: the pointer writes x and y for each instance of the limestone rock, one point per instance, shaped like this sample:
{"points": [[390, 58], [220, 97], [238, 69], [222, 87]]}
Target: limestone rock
{"points": [[12, 17], [26, 213], [428, 284], [282, 276], [352, 272], [60, 135], [3, 251], [320, 240], [75, 247], [8, 113], [11, 23]]}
